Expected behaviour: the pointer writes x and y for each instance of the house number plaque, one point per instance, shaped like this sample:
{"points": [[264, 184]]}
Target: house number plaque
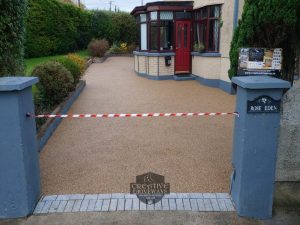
{"points": [[263, 104]]}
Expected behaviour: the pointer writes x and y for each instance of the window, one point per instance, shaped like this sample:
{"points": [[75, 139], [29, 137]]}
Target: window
{"points": [[143, 36], [142, 19], [154, 35], [166, 35], [207, 27], [166, 30], [156, 31]]}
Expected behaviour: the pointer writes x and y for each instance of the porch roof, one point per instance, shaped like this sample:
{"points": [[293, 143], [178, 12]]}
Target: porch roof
{"points": [[164, 5]]}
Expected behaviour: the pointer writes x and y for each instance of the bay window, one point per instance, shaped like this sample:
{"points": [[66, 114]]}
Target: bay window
{"points": [[207, 28]]}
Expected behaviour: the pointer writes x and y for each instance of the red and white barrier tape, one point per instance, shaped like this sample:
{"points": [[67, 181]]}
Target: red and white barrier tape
{"points": [[132, 115]]}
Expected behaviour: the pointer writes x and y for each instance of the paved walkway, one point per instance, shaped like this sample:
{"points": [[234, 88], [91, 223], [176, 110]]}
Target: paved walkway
{"points": [[105, 155], [197, 202]]}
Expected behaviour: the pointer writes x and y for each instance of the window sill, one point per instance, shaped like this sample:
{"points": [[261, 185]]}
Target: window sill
{"points": [[154, 53], [206, 54]]}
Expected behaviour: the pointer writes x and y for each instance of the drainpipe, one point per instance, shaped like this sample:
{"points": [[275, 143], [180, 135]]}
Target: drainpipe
{"points": [[236, 14]]}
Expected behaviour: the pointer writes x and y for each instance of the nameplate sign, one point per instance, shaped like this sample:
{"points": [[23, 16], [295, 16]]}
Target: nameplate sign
{"points": [[263, 104]]}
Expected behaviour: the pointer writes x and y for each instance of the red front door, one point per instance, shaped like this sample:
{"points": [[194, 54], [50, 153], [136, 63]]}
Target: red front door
{"points": [[183, 47]]}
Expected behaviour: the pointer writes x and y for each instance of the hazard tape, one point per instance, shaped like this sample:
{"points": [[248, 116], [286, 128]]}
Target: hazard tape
{"points": [[132, 115]]}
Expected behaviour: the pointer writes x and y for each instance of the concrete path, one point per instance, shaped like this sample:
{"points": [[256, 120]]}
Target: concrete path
{"points": [[105, 155]]}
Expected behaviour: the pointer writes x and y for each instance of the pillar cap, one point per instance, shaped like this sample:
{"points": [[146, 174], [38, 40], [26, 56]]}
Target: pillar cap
{"points": [[16, 83], [260, 82]]}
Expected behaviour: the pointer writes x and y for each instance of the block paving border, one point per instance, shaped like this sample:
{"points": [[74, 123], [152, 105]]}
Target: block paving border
{"points": [[197, 202]]}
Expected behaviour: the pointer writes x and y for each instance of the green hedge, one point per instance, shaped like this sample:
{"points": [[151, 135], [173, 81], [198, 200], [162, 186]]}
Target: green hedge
{"points": [[55, 28], [58, 28], [114, 27], [270, 24], [12, 18]]}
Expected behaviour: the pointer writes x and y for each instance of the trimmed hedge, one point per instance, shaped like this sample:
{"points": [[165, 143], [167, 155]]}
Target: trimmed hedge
{"points": [[114, 27], [56, 28], [270, 24], [12, 18]]}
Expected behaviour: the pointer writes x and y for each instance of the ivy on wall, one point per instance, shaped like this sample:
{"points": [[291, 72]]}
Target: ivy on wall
{"points": [[12, 32], [269, 24]]}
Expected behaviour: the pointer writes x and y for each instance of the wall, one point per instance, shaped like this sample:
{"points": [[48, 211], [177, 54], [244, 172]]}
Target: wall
{"points": [[288, 162], [207, 67], [153, 66]]}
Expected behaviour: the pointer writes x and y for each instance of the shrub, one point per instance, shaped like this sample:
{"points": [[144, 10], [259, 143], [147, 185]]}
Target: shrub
{"points": [[73, 67], [114, 49], [270, 24], [122, 48], [97, 48], [55, 82], [131, 48], [79, 61], [12, 17]]}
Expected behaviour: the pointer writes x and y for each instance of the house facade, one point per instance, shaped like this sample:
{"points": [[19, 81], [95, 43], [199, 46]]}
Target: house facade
{"points": [[186, 40]]}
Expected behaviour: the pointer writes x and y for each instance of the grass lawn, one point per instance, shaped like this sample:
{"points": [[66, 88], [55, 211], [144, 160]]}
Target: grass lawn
{"points": [[33, 62]]}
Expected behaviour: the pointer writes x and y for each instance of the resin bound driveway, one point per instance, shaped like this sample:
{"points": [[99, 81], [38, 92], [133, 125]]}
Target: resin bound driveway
{"points": [[105, 155]]}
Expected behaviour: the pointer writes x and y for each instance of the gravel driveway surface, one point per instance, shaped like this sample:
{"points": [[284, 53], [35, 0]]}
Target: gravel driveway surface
{"points": [[105, 155]]}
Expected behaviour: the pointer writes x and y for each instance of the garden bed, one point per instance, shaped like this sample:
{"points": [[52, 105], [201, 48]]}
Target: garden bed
{"points": [[48, 128]]}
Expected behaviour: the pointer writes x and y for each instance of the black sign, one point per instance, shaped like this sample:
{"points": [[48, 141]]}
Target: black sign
{"points": [[254, 72], [256, 54], [150, 188], [263, 104]]}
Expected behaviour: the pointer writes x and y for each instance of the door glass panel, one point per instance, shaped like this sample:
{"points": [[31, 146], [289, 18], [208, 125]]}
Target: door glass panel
{"points": [[179, 36], [183, 15], [185, 35]]}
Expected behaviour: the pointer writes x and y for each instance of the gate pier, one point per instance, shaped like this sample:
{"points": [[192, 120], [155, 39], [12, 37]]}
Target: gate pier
{"points": [[255, 144], [19, 166]]}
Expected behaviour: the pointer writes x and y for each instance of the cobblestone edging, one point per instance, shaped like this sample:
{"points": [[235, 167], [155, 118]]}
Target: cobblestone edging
{"points": [[200, 202]]}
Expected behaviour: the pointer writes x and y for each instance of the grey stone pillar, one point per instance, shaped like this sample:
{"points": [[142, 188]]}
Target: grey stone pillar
{"points": [[255, 144], [19, 166]]}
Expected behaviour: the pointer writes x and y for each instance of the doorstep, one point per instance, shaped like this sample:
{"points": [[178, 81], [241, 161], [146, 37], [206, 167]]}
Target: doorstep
{"points": [[184, 77]]}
